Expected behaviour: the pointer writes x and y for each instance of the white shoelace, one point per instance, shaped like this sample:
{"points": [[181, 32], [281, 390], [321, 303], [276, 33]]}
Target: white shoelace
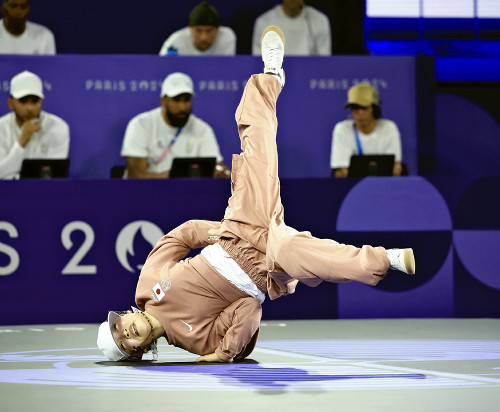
{"points": [[273, 59], [273, 55]]}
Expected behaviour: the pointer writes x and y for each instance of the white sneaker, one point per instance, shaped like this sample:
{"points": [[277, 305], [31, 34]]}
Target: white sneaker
{"points": [[401, 259], [273, 49]]}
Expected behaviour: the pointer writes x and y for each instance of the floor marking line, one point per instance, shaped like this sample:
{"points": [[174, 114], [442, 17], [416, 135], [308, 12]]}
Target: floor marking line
{"points": [[297, 355], [429, 372], [46, 350]]}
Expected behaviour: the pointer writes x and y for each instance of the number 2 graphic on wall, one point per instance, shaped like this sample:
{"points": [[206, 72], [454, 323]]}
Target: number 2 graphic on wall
{"points": [[73, 267]]}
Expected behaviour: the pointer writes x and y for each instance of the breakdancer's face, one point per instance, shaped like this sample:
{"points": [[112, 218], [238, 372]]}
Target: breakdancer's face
{"points": [[132, 331], [176, 110]]}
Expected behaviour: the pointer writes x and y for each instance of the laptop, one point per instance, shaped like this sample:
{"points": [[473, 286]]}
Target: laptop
{"points": [[371, 165], [44, 168], [193, 167]]}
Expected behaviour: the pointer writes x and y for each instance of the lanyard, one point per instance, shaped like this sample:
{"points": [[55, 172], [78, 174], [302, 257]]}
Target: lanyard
{"points": [[358, 142], [169, 147]]}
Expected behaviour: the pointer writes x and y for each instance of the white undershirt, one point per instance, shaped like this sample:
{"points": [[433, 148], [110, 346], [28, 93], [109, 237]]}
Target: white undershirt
{"points": [[228, 268]]}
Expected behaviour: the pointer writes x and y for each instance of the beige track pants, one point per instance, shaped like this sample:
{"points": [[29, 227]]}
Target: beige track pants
{"points": [[255, 212]]}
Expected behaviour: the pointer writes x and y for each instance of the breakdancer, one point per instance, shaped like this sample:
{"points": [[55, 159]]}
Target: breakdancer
{"points": [[210, 305]]}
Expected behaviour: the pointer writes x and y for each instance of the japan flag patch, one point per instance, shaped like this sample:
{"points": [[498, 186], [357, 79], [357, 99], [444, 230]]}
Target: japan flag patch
{"points": [[157, 293]]}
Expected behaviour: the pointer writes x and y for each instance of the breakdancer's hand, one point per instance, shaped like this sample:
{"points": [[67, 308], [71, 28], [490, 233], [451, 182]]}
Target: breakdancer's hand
{"points": [[212, 357]]}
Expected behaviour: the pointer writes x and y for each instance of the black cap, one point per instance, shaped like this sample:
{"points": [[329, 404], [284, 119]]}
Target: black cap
{"points": [[204, 14]]}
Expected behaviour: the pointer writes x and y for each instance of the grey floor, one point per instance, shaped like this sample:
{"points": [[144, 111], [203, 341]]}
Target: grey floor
{"points": [[338, 365]]}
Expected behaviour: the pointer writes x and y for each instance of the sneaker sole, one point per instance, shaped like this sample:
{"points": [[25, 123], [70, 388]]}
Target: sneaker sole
{"points": [[409, 259], [275, 29]]}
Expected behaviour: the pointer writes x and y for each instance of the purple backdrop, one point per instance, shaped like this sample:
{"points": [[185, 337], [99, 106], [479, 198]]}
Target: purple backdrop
{"points": [[71, 250], [98, 95], [469, 147]]}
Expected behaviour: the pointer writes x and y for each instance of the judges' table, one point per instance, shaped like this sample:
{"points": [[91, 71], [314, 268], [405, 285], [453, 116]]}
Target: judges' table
{"points": [[98, 94], [72, 249]]}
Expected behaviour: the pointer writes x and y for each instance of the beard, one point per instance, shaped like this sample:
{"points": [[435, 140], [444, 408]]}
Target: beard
{"points": [[176, 120], [17, 26]]}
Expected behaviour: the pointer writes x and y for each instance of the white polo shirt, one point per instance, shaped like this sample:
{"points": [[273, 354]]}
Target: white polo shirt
{"points": [[384, 139], [51, 142], [305, 35], [148, 136], [182, 41], [36, 39]]}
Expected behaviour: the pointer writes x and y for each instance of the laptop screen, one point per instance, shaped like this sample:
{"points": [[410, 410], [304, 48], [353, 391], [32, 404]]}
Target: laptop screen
{"points": [[44, 168], [193, 167], [371, 165]]}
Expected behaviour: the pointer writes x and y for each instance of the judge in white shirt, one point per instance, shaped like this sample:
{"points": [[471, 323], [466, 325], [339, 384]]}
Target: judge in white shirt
{"points": [[307, 30], [27, 132], [366, 133], [20, 36], [204, 36], [154, 138]]}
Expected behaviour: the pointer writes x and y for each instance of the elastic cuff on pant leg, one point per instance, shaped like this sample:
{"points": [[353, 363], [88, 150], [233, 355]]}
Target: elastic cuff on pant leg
{"points": [[223, 355]]}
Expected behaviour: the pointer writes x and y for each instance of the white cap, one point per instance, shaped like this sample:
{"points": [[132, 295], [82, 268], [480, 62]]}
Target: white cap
{"points": [[105, 341], [176, 84], [26, 84]]}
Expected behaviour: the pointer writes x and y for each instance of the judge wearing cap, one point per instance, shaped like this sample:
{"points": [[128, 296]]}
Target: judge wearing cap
{"points": [[28, 132], [365, 133], [154, 138], [203, 37]]}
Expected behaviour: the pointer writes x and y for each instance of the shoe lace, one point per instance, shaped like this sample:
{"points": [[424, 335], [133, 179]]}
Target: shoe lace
{"points": [[273, 57]]}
